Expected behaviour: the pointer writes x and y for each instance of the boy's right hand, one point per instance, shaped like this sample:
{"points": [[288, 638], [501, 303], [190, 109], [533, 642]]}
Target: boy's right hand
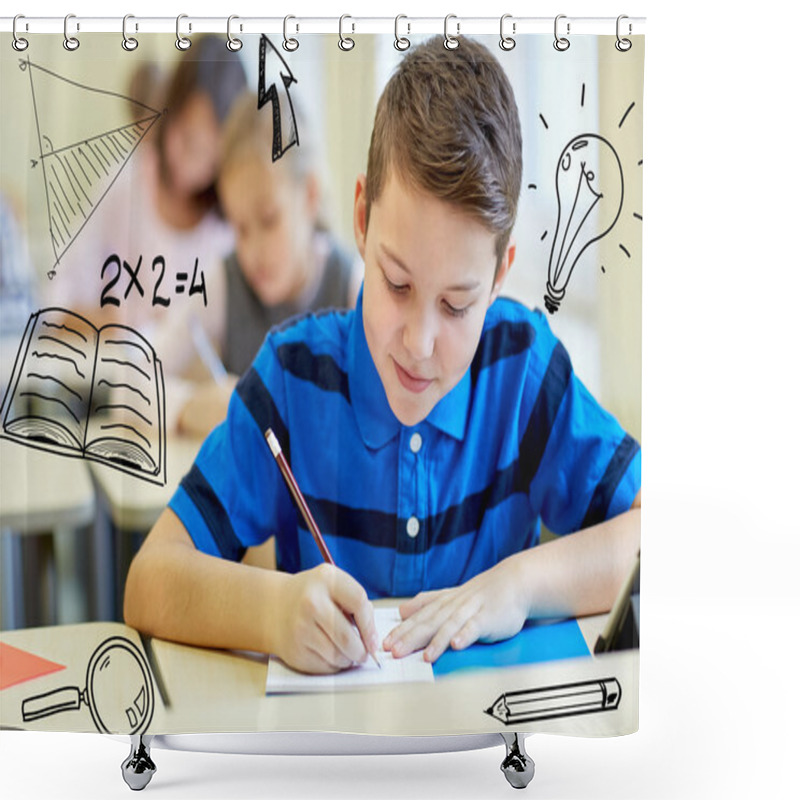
{"points": [[313, 630]]}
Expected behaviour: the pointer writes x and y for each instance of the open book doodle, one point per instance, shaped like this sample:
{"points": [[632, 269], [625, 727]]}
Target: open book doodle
{"points": [[83, 392], [282, 679]]}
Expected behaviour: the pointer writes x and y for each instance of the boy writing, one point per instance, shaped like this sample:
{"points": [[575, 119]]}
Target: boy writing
{"points": [[431, 430]]}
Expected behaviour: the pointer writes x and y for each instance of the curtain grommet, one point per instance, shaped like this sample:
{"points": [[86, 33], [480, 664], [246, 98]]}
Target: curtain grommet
{"points": [[71, 43], [129, 43], [345, 42], [507, 42], [182, 42], [19, 43], [233, 44], [561, 43]]}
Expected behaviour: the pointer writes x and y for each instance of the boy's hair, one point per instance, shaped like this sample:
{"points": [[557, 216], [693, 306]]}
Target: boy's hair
{"points": [[447, 123]]}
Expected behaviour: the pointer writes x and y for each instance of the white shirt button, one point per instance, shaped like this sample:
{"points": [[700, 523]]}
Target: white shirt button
{"points": [[415, 443], [412, 527]]}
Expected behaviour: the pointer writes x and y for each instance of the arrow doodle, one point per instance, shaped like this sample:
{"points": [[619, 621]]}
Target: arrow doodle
{"points": [[273, 70]]}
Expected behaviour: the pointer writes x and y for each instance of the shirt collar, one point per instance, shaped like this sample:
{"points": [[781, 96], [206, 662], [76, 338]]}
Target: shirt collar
{"points": [[374, 416]]}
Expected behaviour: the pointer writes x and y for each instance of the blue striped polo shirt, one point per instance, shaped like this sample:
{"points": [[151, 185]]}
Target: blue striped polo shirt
{"points": [[517, 442]]}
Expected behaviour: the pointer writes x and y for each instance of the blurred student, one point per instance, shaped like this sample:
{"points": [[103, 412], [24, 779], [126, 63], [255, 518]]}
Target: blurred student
{"points": [[285, 262], [163, 207]]}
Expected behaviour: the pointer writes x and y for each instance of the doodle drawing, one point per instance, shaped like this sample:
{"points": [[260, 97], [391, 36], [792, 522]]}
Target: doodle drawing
{"points": [[78, 173], [589, 190], [549, 702], [118, 691], [80, 391], [274, 80]]}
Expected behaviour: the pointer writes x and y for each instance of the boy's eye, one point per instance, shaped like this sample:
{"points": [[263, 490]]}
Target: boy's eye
{"points": [[454, 311], [397, 288]]}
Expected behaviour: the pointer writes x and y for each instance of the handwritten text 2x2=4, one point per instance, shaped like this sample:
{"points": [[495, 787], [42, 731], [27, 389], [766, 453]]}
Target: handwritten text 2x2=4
{"points": [[114, 269]]}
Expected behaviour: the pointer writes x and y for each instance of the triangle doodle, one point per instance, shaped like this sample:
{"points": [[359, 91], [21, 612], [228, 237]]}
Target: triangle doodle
{"points": [[18, 666], [79, 171]]}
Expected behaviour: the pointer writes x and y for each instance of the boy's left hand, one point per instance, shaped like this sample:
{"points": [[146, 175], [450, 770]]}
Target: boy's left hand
{"points": [[489, 607]]}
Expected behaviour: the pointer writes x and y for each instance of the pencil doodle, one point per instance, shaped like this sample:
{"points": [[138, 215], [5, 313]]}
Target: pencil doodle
{"points": [[85, 392], [274, 80], [590, 194], [78, 174], [550, 702], [118, 691]]}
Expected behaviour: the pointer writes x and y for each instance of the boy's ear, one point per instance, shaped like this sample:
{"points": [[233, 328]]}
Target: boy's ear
{"points": [[504, 268], [360, 214]]}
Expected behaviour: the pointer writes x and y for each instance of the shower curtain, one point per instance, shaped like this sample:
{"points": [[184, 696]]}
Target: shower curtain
{"points": [[126, 302]]}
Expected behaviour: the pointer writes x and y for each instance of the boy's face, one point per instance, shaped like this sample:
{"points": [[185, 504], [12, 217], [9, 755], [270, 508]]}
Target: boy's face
{"points": [[429, 274], [272, 215]]}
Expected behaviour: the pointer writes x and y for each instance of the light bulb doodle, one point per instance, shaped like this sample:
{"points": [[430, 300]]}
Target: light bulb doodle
{"points": [[589, 191]]}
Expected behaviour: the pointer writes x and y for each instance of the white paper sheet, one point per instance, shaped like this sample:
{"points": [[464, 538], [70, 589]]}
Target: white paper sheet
{"points": [[282, 679]]}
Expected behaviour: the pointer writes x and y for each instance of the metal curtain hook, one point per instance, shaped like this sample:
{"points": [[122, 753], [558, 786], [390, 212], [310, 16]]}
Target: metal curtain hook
{"points": [[451, 42], [560, 43], [233, 44], [70, 42], [401, 43], [345, 43], [290, 44], [128, 42], [507, 42], [623, 45], [18, 43], [181, 42]]}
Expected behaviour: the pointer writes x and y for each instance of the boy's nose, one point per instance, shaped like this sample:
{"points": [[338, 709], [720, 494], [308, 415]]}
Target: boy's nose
{"points": [[419, 336]]}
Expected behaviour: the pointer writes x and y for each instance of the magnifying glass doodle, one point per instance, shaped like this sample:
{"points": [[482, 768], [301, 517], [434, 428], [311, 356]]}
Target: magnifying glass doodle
{"points": [[118, 691]]}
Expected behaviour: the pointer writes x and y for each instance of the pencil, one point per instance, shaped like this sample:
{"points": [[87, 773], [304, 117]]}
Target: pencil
{"points": [[300, 501], [550, 702]]}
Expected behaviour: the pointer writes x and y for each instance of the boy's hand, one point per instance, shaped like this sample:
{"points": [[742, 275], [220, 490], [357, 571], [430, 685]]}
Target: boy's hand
{"points": [[489, 607], [314, 632]]}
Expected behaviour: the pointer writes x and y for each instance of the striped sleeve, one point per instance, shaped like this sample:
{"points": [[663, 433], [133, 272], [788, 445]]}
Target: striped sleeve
{"points": [[230, 499], [582, 467]]}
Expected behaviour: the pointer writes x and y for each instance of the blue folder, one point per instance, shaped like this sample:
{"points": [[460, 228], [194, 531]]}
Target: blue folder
{"points": [[536, 642]]}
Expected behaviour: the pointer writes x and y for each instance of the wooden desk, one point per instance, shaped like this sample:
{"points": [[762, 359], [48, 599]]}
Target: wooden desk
{"points": [[213, 691], [42, 494]]}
